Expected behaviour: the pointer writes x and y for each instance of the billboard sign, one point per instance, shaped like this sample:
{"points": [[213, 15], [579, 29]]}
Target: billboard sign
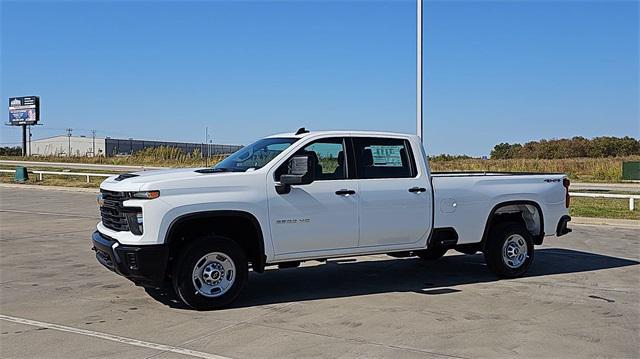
{"points": [[24, 110]]}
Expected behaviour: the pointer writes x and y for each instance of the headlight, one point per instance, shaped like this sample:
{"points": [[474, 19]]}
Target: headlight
{"points": [[146, 194]]}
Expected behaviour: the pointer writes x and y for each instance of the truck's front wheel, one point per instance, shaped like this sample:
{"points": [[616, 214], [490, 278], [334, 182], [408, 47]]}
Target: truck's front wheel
{"points": [[509, 250], [210, 273]]}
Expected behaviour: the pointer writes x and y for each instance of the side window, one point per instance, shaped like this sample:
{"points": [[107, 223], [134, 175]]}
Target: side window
{"points": [[329, 156], [383, 158]]}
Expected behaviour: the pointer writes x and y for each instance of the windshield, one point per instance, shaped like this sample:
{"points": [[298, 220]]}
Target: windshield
{"points": [[255, 155]]}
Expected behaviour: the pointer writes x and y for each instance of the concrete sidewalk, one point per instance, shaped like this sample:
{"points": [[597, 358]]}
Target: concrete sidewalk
{"points": [[49, 188], [605, 222], [621, 187]]}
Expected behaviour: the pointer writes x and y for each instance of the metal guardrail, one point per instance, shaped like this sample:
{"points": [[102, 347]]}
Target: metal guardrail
{"points": [[83, 166], [87, 175], [631, 197]]}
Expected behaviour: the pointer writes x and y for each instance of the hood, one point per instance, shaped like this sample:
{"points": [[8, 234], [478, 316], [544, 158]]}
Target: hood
{"points": [[135, 181]]}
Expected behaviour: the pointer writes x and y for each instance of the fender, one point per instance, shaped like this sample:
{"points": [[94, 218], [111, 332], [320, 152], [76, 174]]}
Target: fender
{"points": [[487, 225], [258, 264]]}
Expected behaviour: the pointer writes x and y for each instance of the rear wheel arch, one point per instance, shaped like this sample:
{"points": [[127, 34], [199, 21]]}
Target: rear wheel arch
{"points": [[526, 212], [240, 226]]}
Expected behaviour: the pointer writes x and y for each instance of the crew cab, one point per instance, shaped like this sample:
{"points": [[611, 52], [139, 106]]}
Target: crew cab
{"points": [[303, 196]]}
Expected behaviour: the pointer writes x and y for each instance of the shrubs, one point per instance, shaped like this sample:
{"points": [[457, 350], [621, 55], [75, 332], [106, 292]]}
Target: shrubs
{"points": [[581, 169], [575, 147], [158, 156], [10, 151]]}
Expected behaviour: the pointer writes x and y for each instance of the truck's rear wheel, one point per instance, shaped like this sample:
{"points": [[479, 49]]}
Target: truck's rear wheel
{"points": [[210, 273], [509, 250], [431, 254]]}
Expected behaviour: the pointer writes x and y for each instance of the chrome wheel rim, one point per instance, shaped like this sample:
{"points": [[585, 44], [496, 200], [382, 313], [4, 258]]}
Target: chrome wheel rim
{"points": [[214, 274], [515, 251]]}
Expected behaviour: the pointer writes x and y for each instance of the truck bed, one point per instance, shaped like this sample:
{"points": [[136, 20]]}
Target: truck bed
{"points": [[465, 200]]}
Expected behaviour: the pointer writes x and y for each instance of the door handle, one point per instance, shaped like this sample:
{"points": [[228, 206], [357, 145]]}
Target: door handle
{"points": [[345, 192], [417, 189]]}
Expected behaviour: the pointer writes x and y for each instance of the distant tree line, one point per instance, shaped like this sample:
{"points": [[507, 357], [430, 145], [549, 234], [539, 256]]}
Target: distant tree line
{"points": [[569, 148], [445, 157], [10, 151]]}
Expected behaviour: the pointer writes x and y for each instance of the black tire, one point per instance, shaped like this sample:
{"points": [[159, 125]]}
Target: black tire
{"points": [[192, 255], [431, 254], [499, 263]]}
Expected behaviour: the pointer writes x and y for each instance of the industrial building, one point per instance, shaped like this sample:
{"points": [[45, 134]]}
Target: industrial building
{"points": [[107, 146]]}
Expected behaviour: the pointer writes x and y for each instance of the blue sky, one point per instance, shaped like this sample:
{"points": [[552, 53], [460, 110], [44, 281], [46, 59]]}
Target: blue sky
{"points": [[495, 71]]}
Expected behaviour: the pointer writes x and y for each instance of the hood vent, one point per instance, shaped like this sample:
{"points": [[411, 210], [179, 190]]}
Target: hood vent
{"points": [[125, 176]]}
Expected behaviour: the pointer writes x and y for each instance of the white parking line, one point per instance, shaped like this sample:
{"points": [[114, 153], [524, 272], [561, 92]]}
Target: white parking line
{"points": [[113, 338]]}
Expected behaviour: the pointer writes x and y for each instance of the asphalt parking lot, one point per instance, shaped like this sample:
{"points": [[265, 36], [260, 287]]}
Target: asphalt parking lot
{"points": [[581, 299]]}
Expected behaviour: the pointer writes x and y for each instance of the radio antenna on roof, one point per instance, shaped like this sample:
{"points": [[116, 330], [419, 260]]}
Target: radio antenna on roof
{"points": [[302, 130]]}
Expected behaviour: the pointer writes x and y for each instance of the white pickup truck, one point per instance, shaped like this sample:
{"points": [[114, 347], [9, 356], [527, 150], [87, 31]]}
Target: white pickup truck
{"points": [[311, 196]]}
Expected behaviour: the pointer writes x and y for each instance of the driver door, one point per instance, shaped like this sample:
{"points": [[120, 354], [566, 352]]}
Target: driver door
{"points": [[321, 216]]}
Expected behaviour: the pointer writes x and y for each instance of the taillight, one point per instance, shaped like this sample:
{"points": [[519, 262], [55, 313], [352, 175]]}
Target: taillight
{"points": [[567, 198]]}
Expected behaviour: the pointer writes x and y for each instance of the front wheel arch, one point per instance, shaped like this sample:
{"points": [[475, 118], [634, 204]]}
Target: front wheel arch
{"points": [[240, 226]]}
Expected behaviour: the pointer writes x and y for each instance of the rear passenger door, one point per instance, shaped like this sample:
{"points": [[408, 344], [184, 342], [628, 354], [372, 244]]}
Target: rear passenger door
{"points": [[395, 192]]}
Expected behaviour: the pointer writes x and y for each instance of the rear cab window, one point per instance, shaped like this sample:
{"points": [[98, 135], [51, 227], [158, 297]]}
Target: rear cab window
{"points": [[383, 158]]}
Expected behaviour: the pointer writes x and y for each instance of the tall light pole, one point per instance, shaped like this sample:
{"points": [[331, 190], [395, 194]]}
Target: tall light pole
{"points": [[419, 131], [69, 136]]}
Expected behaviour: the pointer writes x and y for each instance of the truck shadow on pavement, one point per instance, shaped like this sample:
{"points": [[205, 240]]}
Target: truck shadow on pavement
{"points": [[348, 277]]}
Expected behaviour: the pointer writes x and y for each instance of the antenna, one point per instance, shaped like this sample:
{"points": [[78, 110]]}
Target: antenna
{"points": [[302, 130]]}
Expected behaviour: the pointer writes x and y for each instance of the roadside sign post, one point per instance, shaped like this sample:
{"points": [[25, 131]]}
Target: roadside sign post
{"points": [[24, 140], [24, 111], [29, 134]]}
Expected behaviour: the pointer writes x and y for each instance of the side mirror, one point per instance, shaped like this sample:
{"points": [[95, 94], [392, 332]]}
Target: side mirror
{"points": [[300, 171]]}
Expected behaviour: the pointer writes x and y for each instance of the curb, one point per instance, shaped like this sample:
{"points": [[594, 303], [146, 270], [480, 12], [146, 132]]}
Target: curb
{"points": [[605, 222], [49, 188]]}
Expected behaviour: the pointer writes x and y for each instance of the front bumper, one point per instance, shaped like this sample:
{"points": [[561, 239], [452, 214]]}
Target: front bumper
{"points": [[144, 265]]}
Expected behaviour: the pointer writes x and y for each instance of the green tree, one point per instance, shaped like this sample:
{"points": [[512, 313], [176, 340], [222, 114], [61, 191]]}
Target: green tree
{"points": [[596, 147]]}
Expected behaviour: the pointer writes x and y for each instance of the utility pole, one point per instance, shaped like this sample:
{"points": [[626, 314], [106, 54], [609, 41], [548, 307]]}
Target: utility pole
{"points": [[69, 136], [93, 135], [419, 72]]}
